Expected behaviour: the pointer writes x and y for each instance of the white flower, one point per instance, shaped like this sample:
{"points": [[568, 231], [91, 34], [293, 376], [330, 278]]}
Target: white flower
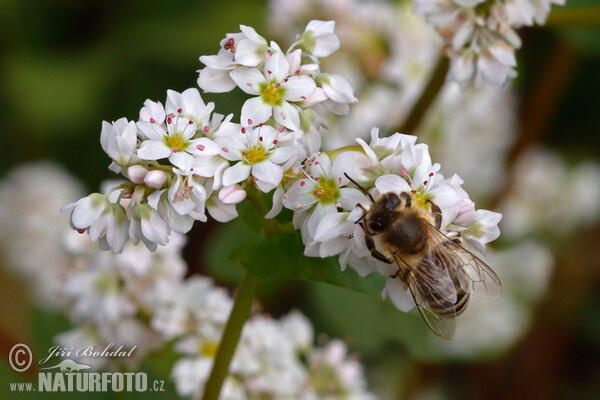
{"points": [[176, 143], [318, 38], [259, 154], [189, 105], [322, 191], [147, 225], [187, 195], [119, 141], [245, 48], [86, 211], [276, 86], [335, 375]]}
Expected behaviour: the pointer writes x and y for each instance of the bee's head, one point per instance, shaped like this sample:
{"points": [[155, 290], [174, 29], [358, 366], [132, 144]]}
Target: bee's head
{"points": [[379, 213]]}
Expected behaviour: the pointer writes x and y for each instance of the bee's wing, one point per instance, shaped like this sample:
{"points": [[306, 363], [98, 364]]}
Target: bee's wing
{"points": [[433, 291], [483, 282]]}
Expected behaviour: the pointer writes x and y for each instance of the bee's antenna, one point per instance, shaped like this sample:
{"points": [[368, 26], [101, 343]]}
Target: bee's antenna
{"points": [[362, 189]]}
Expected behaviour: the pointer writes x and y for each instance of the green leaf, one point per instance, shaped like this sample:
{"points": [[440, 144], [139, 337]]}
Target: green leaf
{"points": [[282, 257]]}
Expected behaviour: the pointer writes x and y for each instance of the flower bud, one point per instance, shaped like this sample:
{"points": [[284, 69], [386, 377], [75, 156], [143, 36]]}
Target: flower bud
{"points": [[136, 173], [232, 194], [155, 179]]}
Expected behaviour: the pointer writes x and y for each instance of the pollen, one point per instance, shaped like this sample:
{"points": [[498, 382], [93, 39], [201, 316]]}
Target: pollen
{"points": [[176, 142], [272, 93], [327, 191], [420, 199], [255, 155]]}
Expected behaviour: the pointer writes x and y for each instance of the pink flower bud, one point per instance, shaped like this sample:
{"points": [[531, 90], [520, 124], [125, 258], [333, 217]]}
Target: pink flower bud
{"points": [[136, 173], [233, 194], [155, 179]]}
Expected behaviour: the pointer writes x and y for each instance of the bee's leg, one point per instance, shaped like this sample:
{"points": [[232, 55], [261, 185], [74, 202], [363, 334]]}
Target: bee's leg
{"points": [[380, 257], [407, 200], [358, 221], [374, 252], [437, 214]]}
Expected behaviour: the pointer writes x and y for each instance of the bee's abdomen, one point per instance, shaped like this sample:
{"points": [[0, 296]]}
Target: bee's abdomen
{"points": [[448, 308]]}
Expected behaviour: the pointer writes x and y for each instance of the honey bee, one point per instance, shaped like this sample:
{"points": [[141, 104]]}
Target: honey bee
{"points": [[439, 272]]}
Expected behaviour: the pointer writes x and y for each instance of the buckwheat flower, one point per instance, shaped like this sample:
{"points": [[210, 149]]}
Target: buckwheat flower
{"points": [[153, 112], [258, 153], [119, 141], [146, 224], [338, 90], [277, 87], [299, 331], [86, 211], [321, 191], [186, 194], [318, 38], [333, 374], [177, 143], [246, 48], [189, 105], [482, 35]]}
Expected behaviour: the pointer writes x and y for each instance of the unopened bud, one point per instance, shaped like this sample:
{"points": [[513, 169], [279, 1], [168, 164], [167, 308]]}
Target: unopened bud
{"points": [[155, 179], [233, 194], [136, 173]]}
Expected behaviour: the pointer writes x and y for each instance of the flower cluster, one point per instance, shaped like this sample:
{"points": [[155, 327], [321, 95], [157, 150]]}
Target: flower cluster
{"points": [[141, 301], [325, 203], [481, 35], [181, 160], [388, 54], [274, 358]]}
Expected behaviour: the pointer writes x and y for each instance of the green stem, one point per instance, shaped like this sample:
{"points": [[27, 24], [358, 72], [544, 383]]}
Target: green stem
{"points": [[432, 89], [231, 335]]}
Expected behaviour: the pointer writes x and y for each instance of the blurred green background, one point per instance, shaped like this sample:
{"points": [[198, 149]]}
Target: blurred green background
{"points": [[67, 65]]}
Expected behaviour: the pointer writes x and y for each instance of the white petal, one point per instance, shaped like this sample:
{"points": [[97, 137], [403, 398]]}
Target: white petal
{"points": [[236, 173], [299, 88], [350, 197], [250, 53], [268, 172], [391, 183], [151, 131], [153, 150], [255, 112], [277, 203], [222, 212], [398, 294], [215, 80], [277, 67], [287, 115], [326, 45], [86, 211], [282, 154], [203, 147], [182, 160], [248, 79], [330, 226]]}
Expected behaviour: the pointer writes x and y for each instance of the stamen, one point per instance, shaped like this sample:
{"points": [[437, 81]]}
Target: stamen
{"points": [[179, 110], [275, 141], [205, 128], [243, 130], [249, 121], [152, 120], [200, 147], [225, 149]]}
